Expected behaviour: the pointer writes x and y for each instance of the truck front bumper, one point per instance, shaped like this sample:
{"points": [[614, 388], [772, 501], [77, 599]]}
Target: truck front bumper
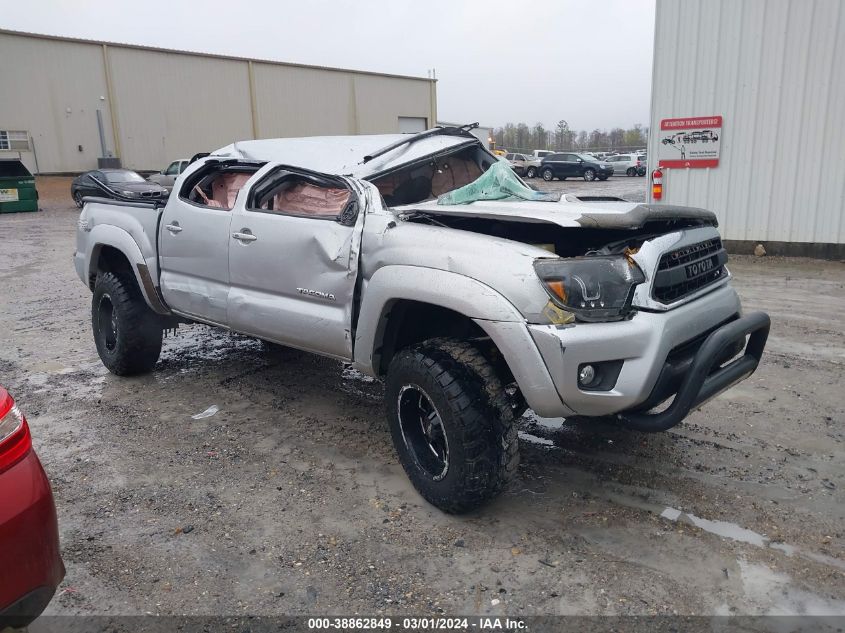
{"points": [[649, 358]]}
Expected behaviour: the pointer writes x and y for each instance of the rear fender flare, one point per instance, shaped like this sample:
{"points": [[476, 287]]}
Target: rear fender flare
{"points": [[109, 235]]}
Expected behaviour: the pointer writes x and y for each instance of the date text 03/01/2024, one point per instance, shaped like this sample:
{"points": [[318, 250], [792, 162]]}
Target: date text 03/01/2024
{"points": [[479, 623]]}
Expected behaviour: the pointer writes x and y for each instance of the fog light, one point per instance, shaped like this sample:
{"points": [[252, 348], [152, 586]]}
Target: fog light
{"points": [[586, 375]]}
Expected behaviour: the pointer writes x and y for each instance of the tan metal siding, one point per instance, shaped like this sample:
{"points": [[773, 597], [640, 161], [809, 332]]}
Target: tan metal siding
{"points": [[769, 68], [294, 101], [52, 89], [382, 101], [173, 106]]}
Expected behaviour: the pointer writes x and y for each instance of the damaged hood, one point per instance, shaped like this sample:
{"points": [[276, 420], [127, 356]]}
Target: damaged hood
{"points": [[570, 211]]}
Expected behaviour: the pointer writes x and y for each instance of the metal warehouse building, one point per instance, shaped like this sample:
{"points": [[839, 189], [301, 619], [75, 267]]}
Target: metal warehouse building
{"points": [[158, 105], [748, 118]]}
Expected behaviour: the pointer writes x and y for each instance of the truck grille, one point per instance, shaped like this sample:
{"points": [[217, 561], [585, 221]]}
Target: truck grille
{"points": [[686, 270]]}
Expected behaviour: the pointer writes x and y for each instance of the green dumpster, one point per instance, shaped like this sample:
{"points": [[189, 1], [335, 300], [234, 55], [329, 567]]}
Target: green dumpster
{"points": [[17, 187]]}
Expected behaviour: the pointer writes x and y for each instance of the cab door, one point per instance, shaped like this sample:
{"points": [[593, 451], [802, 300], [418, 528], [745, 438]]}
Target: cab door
{"points": [[293, 260], [194, 239]]}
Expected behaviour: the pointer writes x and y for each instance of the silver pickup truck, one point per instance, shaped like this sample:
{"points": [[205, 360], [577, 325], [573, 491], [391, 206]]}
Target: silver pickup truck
{"points": [[394, 253]]}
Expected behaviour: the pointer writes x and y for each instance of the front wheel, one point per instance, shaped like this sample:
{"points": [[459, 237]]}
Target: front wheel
{"points": [[531, 173], [127, 333], [77, 198], [452, 423], [548, 175], [589, 175]]}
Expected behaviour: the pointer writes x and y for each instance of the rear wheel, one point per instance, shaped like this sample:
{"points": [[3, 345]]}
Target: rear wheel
{"points": [[589, 175], [548, 175], [532, 172], [127, 333], [77, 198], [452, 423], [632, 171]]}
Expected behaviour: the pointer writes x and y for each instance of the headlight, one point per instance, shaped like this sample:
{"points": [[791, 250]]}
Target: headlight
{"points": [[126, 193], [592, 288]]}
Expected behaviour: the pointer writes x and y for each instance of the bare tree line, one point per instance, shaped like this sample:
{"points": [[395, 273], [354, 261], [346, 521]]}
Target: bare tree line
{"points": [[521, 137]]}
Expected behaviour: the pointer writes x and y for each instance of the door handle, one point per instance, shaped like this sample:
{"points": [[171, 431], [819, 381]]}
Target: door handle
{"points": [[244, 237], [173, 228]]}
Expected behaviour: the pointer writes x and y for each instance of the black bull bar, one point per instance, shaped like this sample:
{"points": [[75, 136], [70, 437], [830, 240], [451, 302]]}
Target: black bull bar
{"points": [[706, 375]]}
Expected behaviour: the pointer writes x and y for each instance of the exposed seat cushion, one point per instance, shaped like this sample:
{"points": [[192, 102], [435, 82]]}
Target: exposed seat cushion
{"points": [[303, 198]]}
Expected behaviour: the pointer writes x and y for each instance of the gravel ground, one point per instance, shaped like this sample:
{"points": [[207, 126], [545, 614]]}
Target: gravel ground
{"points": [[289, 499]]}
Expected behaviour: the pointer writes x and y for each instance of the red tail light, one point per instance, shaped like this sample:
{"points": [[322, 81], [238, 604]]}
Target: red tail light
{"points": [[15, 441]]}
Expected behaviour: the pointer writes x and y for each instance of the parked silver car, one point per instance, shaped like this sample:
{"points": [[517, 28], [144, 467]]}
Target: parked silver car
{"points": [[166, 177], [524, 165]]}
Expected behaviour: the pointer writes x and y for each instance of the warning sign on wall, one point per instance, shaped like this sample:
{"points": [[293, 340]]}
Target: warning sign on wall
{"points": [[690, 142]]}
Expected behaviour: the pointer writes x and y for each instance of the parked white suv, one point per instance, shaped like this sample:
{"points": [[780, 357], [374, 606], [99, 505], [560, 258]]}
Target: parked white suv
{"points": [[628, 164]]}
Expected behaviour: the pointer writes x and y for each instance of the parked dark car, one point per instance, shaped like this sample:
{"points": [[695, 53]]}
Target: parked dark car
{"points": [[118, 183], [31, 567], [564, 166]]}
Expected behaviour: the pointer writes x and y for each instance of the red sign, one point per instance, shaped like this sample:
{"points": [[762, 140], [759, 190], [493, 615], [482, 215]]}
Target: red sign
{"points": [[690, 142]]}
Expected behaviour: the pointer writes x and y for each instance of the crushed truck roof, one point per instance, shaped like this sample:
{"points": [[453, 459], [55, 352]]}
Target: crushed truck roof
{"points": [[342, 155]]}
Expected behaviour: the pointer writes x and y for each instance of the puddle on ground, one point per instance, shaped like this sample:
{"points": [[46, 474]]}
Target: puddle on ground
{"points": [[199, 344], [735, 532], [359, 384], [533, 439], [42, 381], [764, 586]]}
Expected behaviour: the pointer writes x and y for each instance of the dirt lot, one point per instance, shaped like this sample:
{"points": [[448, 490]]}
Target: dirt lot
{"points": [[290, 499]]}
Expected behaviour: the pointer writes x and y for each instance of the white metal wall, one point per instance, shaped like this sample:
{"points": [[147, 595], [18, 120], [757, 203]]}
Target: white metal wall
{"points": [[170, 104], [774, 70]]}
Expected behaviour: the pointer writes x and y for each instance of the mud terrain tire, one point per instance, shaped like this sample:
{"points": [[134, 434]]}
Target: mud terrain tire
{"points": [[127, 333], [474, 413]]}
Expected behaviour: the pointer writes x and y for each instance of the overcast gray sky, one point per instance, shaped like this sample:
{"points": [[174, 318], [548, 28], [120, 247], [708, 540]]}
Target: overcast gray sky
{"points": [[496, 60]]}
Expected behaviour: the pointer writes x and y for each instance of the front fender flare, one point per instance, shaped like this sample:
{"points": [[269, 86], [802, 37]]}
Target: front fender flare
{"points": [[467, 296], [109, 235]]}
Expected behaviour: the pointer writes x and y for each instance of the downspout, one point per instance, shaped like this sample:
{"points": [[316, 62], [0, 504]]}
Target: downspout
{"points": [[115, 128], [253, 103], [352, 123], [432, 91]]}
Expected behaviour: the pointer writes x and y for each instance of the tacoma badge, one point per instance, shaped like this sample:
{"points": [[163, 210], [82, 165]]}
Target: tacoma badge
{"points": [[316, 293]]}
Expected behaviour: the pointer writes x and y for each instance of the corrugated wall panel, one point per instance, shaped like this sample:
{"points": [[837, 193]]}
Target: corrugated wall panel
{"points": [[53, 89], [769, 68], [382, 102], [303, 102], [173, 106]]}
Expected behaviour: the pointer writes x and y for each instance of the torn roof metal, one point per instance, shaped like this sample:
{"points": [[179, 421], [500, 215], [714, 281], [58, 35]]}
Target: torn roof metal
{"points": [[342, 155]]}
